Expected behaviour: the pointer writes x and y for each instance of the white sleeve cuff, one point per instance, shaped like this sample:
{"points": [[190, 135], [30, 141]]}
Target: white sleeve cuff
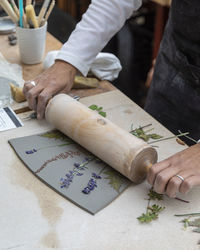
{"points": [[74, 61]]}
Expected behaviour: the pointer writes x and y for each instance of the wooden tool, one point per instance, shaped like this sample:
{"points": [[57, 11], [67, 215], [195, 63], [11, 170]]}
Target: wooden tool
{"points": [[15, 8], [8, 9], [80, 82], [30, 14], [121, 150], [49, 10], [28, 2], [42, 11]]}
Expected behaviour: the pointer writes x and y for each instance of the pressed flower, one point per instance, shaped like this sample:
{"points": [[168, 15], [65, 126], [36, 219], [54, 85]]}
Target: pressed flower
{"points": [[90, 186], [31, 151]]}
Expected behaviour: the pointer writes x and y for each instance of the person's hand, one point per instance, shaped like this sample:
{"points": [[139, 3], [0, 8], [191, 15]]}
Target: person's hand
{"points": [[59, 78], [163, 175]]}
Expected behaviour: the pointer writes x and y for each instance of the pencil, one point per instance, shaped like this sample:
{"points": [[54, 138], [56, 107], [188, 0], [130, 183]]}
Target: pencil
{"points": [[30, 14], [42, 11], [8, 9], [49, 10]]}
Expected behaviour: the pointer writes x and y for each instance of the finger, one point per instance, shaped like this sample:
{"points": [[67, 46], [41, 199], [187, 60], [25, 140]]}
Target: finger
{"points": [[32, 95], [162, 179], [43, 99], [174, 184], [155, 169], [189, 183], [27, 87]]}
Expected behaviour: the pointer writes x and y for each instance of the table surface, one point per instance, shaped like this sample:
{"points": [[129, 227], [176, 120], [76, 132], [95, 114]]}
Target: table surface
{"points": [[11, 53], [32, 216]]}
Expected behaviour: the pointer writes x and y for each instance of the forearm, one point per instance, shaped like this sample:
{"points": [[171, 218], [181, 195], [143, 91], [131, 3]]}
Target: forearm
{"points": [[99, 24]]}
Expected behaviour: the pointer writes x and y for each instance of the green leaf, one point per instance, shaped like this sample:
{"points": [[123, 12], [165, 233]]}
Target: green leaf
{"points": [[99, 109], [196, 230], [115, 179], [156, 208], [148, 217], [57, 135], [155, 136], [139, 131], [195, 223], [144, 137], [102, 113], [154, 196], [185, 222], [93, 107]]}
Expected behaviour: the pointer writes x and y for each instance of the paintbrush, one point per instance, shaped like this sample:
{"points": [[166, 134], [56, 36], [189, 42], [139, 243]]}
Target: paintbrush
{"points": [[30, 14], [28, 2], [49, 10], [16, 10], [42, 11], [8, 9]]}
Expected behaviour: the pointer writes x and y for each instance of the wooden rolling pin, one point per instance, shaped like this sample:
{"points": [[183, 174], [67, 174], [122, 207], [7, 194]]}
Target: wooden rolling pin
{"points": [[79, 82], [121, 150]]}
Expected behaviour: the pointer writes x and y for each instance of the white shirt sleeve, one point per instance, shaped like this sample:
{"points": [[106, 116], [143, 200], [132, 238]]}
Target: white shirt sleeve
{"points": [[99, 24]]}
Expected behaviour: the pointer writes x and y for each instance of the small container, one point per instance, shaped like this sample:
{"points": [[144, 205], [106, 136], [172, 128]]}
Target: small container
{"points": [[32, 44]]}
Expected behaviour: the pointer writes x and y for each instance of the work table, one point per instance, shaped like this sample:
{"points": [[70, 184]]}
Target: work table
{"points": [[33, 216]]}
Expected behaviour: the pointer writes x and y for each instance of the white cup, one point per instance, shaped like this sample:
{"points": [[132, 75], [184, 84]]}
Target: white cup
{"points": [[32, 44]]}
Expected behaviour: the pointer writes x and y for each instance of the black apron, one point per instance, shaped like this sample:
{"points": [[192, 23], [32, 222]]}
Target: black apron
{"points": [[174, 95]]}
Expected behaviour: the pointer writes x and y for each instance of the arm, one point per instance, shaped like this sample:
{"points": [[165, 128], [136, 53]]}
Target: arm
{"points": [[101, 21]]}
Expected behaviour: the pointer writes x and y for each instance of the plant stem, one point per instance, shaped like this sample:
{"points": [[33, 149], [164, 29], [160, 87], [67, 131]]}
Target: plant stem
{"points": [[184, 215], [182, 200], [175, 136], [190, 138], [148, 125]]}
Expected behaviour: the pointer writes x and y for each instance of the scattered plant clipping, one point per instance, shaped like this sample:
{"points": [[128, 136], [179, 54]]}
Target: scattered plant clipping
{"points": [[189, 221], [98, 109], [152, 211], [140, 133]]}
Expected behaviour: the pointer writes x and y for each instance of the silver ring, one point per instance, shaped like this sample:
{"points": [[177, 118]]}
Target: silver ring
{"points": [[32, 83], [180, 177]]}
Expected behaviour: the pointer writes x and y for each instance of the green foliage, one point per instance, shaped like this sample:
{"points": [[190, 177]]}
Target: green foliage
{"points": [[185, 223], [102, 113], [196, 230], [154, 196], [191, 223], [151, 214], [156, 208], [98, 109], [148, 217], [115, 179], [93, 107], [140, 133], [57, 135]]}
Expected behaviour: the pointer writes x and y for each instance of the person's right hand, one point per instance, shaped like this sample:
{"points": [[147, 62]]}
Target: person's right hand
{"points": [[59, 78]]}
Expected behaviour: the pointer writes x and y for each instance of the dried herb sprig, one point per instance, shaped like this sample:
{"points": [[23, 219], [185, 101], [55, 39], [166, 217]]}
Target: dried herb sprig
{"points": [[98, 109], [140, 133], [171, 137], [187, 222], [152, 212]]}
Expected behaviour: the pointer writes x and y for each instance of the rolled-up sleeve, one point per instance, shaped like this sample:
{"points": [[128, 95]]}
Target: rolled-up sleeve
{"points": [[99, 24]]}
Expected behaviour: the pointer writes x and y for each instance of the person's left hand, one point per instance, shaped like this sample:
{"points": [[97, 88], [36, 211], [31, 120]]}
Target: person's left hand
{"points": [[163, 175]]}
